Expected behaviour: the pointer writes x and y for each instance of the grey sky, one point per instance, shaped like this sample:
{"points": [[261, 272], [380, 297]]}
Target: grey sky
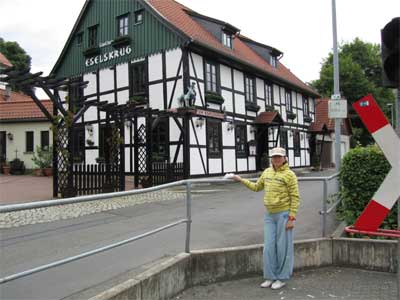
{"points": [[302, 30]]}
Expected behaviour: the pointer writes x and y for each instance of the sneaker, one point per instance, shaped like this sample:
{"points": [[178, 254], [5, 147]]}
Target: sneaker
{"points": [[277, 285], [266, 284]]}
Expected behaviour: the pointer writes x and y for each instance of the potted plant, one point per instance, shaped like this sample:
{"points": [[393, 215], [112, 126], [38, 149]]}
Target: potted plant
{"points": [[17, 167], [43, 158], [6, 168]]}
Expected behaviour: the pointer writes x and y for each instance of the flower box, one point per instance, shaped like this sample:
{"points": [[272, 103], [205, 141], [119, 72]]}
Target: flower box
{"points": [[307, 119], [121, 41], [92, 51], [291, 116], [214, 98], [252, 106]]}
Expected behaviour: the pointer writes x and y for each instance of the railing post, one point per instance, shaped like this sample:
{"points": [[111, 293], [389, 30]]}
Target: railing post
{"points": [[188, 215], [324, 207]]}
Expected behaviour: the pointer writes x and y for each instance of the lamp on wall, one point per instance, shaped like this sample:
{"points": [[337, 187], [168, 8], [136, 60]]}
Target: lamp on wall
{"points": [[230, 125], [199, 122], [10, 136], [128, 123]]}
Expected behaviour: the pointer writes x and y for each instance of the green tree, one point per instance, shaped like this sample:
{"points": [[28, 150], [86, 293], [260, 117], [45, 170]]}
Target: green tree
{"points": [[360, 70], [15, 54]]}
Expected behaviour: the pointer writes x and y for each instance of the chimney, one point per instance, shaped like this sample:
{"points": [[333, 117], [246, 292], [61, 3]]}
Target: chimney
{"points": [[7, 94]]}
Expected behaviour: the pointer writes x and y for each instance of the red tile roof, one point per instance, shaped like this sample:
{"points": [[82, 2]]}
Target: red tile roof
{"points": [[4, 60], [177, 15], [321, 119], [21, 107]]}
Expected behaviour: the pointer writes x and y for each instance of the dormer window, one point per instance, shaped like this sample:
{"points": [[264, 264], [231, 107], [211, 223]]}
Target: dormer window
{"points": [[273, 61], [227, 40]]}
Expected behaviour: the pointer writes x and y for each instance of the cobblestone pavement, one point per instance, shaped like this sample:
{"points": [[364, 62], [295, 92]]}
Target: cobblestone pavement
{"points": [[319, 284], [62, 212]]}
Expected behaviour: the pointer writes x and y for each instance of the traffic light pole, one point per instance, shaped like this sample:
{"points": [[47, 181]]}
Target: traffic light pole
{"points": [[336, 88]]}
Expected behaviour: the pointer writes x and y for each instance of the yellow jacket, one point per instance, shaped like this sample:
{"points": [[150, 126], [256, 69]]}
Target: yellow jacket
{"points": [[281, 189]]}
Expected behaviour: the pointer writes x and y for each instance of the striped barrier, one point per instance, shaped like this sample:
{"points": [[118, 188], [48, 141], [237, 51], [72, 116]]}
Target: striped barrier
{"points": [[385, 136]]}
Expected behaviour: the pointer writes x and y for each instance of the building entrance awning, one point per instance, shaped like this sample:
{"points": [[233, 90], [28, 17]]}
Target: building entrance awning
{"points": [[269, 118]]}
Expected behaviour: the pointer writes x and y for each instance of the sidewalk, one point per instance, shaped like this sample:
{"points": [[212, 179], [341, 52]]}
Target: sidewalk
{"points": [[322, 284]]}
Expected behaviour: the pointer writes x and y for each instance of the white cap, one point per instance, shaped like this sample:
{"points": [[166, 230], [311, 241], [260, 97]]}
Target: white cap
{"points": [[278, 151]]}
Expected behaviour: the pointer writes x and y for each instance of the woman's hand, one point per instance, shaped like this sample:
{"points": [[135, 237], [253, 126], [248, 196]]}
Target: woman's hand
{"points": [[237, 178], [289, 225]]}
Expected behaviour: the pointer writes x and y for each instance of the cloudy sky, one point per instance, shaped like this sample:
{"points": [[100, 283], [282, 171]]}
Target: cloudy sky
{"points": [[302, 30]]}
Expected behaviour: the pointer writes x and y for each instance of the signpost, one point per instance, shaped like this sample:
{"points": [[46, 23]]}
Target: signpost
{"points": [[387, 139]]}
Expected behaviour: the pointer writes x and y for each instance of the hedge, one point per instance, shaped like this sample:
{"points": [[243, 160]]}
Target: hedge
{"points": [[362, 172]]}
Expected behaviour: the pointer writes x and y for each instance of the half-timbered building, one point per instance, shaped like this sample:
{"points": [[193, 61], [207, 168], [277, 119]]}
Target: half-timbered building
{"points": [[215, 101]]}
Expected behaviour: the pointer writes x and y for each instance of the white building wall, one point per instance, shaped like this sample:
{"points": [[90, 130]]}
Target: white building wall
{"points": [[229, 160], [172, 59], [155, 67], [122, 75], [19, 140], [106, 79], [198, 64], [226, 76]]}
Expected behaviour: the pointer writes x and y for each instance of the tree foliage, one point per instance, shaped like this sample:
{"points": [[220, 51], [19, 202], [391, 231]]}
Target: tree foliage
{"points": [[15, 54], [360, 70]]}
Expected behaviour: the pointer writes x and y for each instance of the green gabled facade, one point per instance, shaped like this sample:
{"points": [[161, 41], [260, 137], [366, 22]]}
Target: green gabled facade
{"points": [[151, 36]]}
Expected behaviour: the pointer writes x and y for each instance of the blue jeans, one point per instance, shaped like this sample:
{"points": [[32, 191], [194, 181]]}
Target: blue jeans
{"points": [[278, 247]]}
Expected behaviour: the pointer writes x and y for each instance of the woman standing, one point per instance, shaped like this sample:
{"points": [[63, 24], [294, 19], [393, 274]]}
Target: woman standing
{"points": [[281, 200]]}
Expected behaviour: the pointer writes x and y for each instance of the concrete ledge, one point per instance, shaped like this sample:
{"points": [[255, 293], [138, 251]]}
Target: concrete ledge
{"points": [[208, 266], [375, 255]]}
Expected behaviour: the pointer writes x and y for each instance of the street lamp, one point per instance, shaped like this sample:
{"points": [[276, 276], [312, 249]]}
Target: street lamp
{"points": [[391, 114]]}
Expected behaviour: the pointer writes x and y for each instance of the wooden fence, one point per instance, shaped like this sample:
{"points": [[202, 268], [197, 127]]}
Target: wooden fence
{"points": [[96, 179]]}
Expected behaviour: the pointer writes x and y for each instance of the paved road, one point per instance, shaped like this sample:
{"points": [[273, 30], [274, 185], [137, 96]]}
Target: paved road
{"points": [[230, 217]]}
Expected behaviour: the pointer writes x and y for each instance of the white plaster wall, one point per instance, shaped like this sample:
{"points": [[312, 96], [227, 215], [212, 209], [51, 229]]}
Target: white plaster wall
{"points": [[122, 75], [345, 145], [106, 80], [90, 156], [127, 159], [198, 97], [123, 96], [228, 103], [242, 164], [240, 104], [178, 92], [291, 158], [91, 114], [196, 166], [252, 163], [261, 103], [238, 80], [110, 98], [215, 165], [277, 100], [91, 86], [228, 137], [174, 131], [172, 153], [173, 58], [213, 106], [155, 67], [229, 160], [200, 131], [198, 64], [260, 88], [297, 161], [19, 141], [226, 76], [156, 99]]}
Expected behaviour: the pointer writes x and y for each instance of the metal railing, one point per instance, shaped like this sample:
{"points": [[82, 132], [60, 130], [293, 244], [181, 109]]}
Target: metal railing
{"points": [[187, 220]]}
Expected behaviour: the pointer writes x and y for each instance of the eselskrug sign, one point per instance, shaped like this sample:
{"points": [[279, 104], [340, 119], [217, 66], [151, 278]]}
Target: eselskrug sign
{"points": [[102, 58]]}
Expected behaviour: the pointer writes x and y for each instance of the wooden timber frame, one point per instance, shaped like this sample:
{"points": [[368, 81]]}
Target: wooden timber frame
{"points": [[63, 119]]}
